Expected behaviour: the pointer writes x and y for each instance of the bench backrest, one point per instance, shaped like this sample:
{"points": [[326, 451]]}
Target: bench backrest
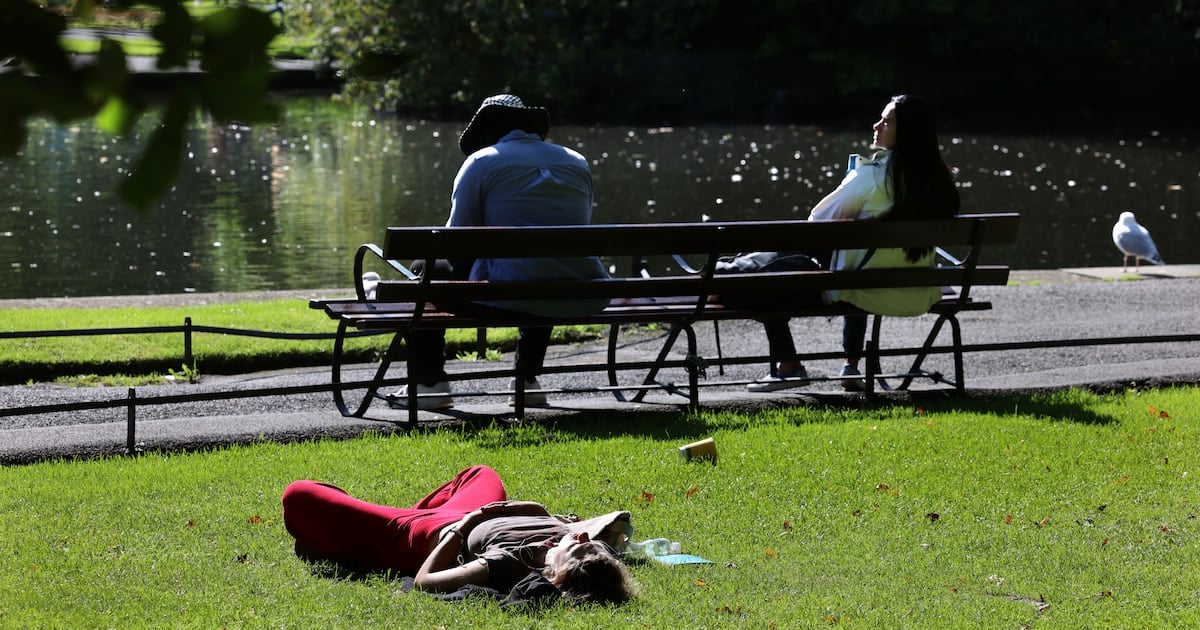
{"points": [[710, 240], [695, 238]]}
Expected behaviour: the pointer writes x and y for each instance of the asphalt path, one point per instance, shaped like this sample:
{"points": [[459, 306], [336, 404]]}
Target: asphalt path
{"points": [[1049, 306]]}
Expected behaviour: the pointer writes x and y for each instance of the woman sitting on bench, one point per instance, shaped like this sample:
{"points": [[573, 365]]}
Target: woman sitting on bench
{"points": [[905, 180], [464, 533]]}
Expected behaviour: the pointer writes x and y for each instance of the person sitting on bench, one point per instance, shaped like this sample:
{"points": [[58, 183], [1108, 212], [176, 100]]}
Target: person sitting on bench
{"points": [[906, 179], [511, 176]]}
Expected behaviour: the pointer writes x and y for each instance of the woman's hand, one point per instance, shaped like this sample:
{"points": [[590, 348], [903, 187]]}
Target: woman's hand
{"points": [[498, 509]]}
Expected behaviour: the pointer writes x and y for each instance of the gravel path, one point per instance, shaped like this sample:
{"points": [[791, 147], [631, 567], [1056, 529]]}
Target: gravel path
{"points": [[1038, 306]]}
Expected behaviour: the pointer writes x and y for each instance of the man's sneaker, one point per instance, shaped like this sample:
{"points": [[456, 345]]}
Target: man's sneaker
{"points": [[782, 380], [532, 399], [441, 400], [852, 384]]}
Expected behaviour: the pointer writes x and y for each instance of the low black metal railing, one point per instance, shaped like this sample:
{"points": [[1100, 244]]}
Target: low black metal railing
{"points": [[132, 401], [188, 329]]}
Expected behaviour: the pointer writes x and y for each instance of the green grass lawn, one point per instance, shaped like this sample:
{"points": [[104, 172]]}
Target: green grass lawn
{"points": [[1063, 510]]}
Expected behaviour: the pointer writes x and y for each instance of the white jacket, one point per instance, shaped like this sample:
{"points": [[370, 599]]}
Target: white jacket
{"points": [[865, 194]]}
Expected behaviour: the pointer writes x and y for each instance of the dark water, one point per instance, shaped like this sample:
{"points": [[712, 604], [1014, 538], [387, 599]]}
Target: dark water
{"points": [[284, 207]]}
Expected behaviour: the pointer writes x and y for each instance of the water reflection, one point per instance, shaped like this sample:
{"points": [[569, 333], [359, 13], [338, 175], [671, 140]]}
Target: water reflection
{"points": [[284, 207]]}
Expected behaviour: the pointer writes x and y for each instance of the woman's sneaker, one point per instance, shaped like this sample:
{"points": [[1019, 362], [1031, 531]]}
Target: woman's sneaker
{"points": [[852, 384], [532, 399], [782, 380], [440, 400]]}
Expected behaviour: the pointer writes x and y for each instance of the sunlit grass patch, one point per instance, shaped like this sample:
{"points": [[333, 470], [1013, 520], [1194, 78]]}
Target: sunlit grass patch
{"points": [[1071, 509]]}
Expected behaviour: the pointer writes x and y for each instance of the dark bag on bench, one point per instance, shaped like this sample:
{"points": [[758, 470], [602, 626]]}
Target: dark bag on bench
{"points": [[766, 262]]}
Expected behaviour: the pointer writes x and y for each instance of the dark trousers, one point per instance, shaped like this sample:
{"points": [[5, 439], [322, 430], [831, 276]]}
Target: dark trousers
{"points": [[783, 348], [428, 347]]}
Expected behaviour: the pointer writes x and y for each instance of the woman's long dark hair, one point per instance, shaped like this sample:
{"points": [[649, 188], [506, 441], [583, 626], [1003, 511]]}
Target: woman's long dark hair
{"points": [[922, 187]]}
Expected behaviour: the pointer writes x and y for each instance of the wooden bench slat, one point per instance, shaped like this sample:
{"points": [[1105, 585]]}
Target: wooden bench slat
{"points": [[666, 311], [450, 291], [693, 238]]}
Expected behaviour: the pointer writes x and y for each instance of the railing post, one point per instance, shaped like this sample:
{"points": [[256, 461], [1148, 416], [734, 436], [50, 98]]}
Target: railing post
{"points": [[187, 342], [481, 343], [131, 423]]}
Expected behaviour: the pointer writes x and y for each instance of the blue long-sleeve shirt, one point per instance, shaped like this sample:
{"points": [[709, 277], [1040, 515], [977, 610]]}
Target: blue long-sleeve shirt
{"points": [[523, 180]]}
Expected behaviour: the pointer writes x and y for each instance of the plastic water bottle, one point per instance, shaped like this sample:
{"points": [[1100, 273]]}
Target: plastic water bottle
{"points": [[652, 548]]}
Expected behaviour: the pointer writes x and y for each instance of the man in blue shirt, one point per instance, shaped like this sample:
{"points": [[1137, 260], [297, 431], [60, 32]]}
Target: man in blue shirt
{"points": [[511, 176]]}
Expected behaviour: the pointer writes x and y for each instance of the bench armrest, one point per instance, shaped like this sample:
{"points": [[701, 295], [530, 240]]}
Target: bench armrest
{"points": [[377, 251]]}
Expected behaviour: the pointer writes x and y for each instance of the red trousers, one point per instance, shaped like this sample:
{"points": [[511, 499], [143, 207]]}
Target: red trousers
{"points": [[329, 523]]}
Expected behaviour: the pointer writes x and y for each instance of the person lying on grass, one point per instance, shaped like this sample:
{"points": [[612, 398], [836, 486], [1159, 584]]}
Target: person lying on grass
{"points": [[464, 533]]}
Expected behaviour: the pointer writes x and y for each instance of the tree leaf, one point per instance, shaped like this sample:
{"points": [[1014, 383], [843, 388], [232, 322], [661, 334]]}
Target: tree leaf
{"points": [[174, 31], [31, 33], [118, 114], [234, 58], [159, 165]]}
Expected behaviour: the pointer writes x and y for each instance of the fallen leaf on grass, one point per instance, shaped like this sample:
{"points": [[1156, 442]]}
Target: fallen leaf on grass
{"points": [[691, 491], [771, 553], [1039, 604], [647, 497], [933, 517], [255, 520]]}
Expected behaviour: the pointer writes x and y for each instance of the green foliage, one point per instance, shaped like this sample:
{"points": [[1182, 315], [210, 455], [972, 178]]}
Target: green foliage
{"points": [[672, 62], [1062, 510], [230, 43], [489, 354], [700, 59], [189, 373]]}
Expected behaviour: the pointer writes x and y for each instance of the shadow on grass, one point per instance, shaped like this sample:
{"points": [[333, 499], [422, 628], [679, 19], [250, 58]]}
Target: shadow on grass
{"points": [[1075, 406]]}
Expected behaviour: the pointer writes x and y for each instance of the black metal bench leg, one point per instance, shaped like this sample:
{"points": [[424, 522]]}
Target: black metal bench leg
{"points": [[662, 356], [335, 377], [613, 331], [380, 373], [519, 397], [694, 367], [720, 356], [339, 358], [871, 358], [411, 390], [960, 382], [915, 369]]}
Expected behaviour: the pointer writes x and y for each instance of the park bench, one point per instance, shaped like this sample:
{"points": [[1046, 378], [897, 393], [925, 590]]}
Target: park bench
{"points": [[669, 281]]}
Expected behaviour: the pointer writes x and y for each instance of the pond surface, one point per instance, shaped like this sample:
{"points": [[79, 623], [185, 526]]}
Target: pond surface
{"points": [[284, 207]]}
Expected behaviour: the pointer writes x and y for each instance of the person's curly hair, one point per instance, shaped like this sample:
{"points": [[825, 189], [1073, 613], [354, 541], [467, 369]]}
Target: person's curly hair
{"points": [[595, 577]]}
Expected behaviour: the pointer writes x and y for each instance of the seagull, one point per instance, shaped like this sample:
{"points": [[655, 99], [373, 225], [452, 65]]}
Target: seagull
{"points": [[1134, 240]]}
